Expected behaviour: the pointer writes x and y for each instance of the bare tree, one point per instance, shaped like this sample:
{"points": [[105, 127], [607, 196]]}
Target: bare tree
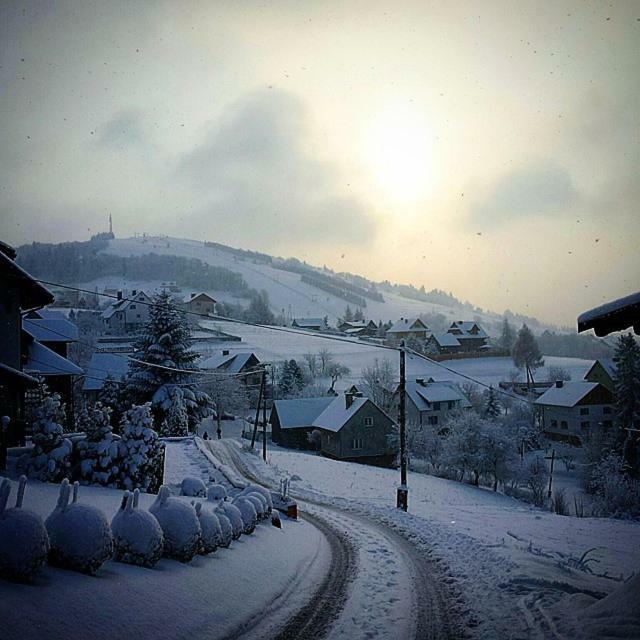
{"points": [[313, 365], [228, 395], [325, 358], [378, 381], [335, 371]]}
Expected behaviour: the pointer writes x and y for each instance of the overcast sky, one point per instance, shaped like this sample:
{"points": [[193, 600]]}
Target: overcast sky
{"points": [[486, 148]]}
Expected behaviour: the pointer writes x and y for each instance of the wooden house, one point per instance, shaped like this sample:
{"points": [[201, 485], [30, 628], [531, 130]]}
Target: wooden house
{"points": [[570, 411], [235, 362], [358, 328], [292, 420], [310, 324], [201, 303], [405, 329], [604, 372], [470, 335], [443, 343]]}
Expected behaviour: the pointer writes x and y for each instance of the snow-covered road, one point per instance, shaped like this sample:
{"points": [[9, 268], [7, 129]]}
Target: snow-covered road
{"points": [[395, 591]]}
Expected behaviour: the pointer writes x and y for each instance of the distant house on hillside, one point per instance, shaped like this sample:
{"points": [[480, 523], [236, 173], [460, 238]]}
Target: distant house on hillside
{"points": [[310, 324], [604, 372], [102, 366], [354, 428], [569, 411], [292, 420], [430, 403], [470, 335], [407, 328], [127, 315], [443, 343], [358, 328], [200, 303], [233, 363]]}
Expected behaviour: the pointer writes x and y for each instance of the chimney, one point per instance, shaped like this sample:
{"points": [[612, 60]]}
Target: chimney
{"points": [[119, 294], [134, 293], [420, 381], [559, 384]]}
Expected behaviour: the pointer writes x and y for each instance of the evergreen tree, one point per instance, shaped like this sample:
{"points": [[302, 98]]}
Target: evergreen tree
{"points": [[140, 451], [358, 316], [348, 314], [259, 311], [99, 450], [50, 457], [492, 408], [291, 378], [627, 398], [526, 354], [507, 337], [110, 396]]}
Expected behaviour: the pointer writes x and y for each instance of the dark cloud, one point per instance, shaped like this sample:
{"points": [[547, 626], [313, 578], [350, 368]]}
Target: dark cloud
{"points": [[535, 189], [259, 180]]}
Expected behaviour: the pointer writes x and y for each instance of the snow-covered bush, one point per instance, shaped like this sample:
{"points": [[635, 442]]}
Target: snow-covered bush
{"points": [[216, 493], [265, 493], [226, 529], [50, 457], [99, 452], [248, 513], [211, 537], [180, 526], [193, 487], [79, 534], [259, 504], [137, 534], [235, 518], [141, 453], [617, 494], [24, 543]]}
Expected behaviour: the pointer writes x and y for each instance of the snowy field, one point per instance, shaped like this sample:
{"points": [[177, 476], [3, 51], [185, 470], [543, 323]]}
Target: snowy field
{"points": [[511, 561], [211, 597]]}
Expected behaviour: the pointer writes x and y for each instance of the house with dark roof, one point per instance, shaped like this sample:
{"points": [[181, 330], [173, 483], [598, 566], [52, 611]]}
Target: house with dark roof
{"points": [[310, 324], [405, 329], [443, 343], [19, 294], [127, 315], [569, 411], [358, 328], [292, 420], [616, 315], [430, 402], [604, 372], [470, 335], [201, 303]]}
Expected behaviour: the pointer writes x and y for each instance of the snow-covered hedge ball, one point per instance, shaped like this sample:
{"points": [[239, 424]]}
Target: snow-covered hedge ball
{"points": [[24, 542], [211, 531], [235, 518], [180, 526], [256, 488], [216, 493], [137, 534], [248, 512], [226, 529], [258, 505], [194, 488], [79, 534]]}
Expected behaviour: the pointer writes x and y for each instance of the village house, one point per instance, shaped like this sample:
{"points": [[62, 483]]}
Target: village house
{"points": [[406, 329], [470, 335], [430, 402], [310, 324], [292, 420], [358, 328], [570, 411], [104, 365], [19, 294], [200, 303], [604, 372], [127, 315], [234, 363], [442, 344]]}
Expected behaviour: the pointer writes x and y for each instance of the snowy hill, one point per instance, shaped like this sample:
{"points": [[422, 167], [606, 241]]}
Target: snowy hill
{"points": [[288, 293]]}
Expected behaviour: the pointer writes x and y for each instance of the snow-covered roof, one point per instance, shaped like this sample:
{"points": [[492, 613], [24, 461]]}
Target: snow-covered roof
{"points": [[121, 305], [102, 365], [616, 315], [607, 364], [446, 340], [32, 293], [232, 362], [466, 327], [423, 395], [405, 325], [194, 296], [51, 329], [568, 395], [309, 322], [301, 412], [337, 414], [16, 376], [44, 361]]}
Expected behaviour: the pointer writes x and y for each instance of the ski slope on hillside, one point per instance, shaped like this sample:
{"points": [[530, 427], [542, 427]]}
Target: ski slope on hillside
{"points": [[287, 294]]}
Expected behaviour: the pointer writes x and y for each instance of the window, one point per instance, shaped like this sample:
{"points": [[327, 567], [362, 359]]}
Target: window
{"points": [[356, 443], [563, 424], [451, 405], [584, 411], [133, 306], [606, 409], [585, 425], [433, 420], [554, 424], [436, 406], [368, 422]]}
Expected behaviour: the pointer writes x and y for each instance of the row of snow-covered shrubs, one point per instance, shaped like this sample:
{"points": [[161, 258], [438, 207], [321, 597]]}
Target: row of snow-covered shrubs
{"points": [[79, 537], [134, 459]]}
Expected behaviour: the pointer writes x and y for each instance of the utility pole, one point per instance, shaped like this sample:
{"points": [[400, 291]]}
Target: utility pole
{"points": [[264, 416], [255, 425], [402, 498], [553, 459]]}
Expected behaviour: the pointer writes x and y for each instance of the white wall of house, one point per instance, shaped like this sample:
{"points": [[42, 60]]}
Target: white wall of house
{"points": [[576, 421]]}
